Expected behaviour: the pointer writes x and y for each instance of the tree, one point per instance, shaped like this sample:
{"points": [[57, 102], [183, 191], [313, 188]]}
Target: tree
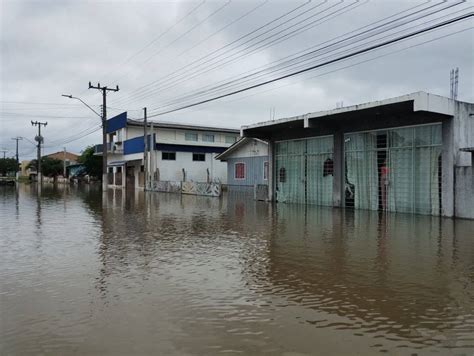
{"points": [[50, 167], [92, 162], [8, 165]]}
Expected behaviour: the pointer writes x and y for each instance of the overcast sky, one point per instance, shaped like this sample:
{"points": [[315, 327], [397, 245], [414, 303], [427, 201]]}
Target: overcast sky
{"points": [[49, 48]]}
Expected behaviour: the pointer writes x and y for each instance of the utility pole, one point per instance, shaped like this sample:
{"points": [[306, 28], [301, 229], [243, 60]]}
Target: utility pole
{"points": [[18, 138], [4, 152], [145, 149], [64, 163], [104, 90], [40, 140]]}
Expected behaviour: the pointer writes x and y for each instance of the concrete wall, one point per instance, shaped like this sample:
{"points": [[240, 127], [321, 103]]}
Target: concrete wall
{"points": [[195, 170], [464, 186], [178, 136], [253, 170], [463, 133]]}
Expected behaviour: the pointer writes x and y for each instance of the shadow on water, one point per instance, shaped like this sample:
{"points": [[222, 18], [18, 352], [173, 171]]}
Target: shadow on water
{"points": [[198, 275]]}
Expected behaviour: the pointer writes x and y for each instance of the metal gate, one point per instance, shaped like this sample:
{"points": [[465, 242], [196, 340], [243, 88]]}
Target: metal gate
{"points": [[304, 170], [395, 170]]}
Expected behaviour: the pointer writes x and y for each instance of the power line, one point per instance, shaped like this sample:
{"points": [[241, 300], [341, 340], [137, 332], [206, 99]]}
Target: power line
{"points": [[194, 9], [181, 36], [299, 60], [231, 43], [362, 51], [187, 78], [264, 92], [184, 75]]}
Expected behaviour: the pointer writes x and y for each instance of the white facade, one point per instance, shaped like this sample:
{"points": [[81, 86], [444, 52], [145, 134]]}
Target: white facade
{"points": [[181, 153]]}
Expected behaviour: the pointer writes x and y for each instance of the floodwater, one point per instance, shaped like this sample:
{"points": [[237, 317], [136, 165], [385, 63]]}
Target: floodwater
{"points": [[163, 274]]}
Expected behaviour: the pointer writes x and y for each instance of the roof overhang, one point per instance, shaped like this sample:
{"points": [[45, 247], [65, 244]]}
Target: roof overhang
{"points": [[415, 103], [235, 146], [189, 127], [116, 163]]}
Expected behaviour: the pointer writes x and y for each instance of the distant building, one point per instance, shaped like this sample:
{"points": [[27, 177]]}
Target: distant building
{"points": [[178, 152], [409, 154], [69, 157], [247, 163]]}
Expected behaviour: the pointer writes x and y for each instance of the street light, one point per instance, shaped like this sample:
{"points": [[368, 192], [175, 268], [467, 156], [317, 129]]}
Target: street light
{"points": [[104, 139], [82, 101]]}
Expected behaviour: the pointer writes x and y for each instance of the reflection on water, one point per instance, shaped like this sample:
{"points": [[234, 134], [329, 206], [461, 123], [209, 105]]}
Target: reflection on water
{"points": [[134, 273]]}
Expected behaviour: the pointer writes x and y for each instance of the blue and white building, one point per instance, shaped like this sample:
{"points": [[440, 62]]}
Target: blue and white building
{"points": [[178, 152]]}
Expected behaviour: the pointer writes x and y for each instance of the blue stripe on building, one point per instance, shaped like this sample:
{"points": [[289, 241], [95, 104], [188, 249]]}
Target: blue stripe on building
{"points": [[117, 122], [189, 148], [135, 145]]}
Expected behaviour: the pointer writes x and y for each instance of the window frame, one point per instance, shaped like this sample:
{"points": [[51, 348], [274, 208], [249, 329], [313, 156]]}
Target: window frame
{"points": [[209, 135], [191, 133], [266, 171], [234, 139], [235, 170], [168, 152], [199, 160]]}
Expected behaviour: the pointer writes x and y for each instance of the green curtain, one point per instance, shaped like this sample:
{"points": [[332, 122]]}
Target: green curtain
{"points": [[318, 185], [361, 168], [414, 175]]}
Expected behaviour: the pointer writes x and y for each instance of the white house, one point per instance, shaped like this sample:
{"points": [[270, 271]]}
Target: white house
{"points": [[177, 152]]}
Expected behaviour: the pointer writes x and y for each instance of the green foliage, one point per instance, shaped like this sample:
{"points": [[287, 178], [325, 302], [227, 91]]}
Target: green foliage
{"points": [[92, 163], [50, 167], [8, 165]]}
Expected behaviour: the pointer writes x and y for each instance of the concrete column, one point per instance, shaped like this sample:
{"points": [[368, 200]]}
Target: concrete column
{"points": [[271, 170], [124, 169], [338, 171], [447, 175]]}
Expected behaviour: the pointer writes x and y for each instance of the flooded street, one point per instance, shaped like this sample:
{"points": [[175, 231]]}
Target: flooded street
{"points": [[185, 275]]}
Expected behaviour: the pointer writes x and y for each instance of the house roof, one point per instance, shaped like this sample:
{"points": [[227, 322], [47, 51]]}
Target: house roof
{"points": [[60, 155], [173, 125], [240, 143], [414, 102]]}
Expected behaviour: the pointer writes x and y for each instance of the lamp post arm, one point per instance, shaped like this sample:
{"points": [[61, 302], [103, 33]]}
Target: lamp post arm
{"points": [[82, 101]]}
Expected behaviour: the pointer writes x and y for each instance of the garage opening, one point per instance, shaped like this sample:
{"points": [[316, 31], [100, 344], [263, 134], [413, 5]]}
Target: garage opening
{"points": [[395, 170]]}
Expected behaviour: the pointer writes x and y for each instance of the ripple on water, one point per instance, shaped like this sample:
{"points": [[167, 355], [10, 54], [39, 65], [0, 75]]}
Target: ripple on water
{"points": [[176, 274]]}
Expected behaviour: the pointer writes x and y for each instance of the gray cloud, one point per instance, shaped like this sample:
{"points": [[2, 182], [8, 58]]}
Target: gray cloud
{"points": [[53, 47]]}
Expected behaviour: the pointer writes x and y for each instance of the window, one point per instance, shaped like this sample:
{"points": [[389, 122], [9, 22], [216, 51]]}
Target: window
{"points": [[142, 168], [265, 170], [239, 171], [111, 170], [119, 169], [230, 139], [208, 138], [168, 156], [282, 174], [200, 157], [191, 136]]}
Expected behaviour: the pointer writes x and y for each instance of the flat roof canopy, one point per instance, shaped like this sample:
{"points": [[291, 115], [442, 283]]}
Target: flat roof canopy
{"points": [[411, 109]]}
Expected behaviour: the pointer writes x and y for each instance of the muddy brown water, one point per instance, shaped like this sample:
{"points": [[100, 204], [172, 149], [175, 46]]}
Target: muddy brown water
{"points": [[163, 274]]}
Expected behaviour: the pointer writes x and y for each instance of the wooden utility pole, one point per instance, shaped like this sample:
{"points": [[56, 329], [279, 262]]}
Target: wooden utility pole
{"points": [[104, 91], [64, 163], [40, 140], [145, 149]]}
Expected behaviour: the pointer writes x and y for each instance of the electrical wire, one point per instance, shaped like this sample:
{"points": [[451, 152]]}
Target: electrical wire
{"points": [[362, 51], [206, 71], [301, 59], [231, 43], [181, 36]]}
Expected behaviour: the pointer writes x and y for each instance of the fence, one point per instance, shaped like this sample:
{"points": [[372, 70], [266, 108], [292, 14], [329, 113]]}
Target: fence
{"points": [[211, 189]]}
